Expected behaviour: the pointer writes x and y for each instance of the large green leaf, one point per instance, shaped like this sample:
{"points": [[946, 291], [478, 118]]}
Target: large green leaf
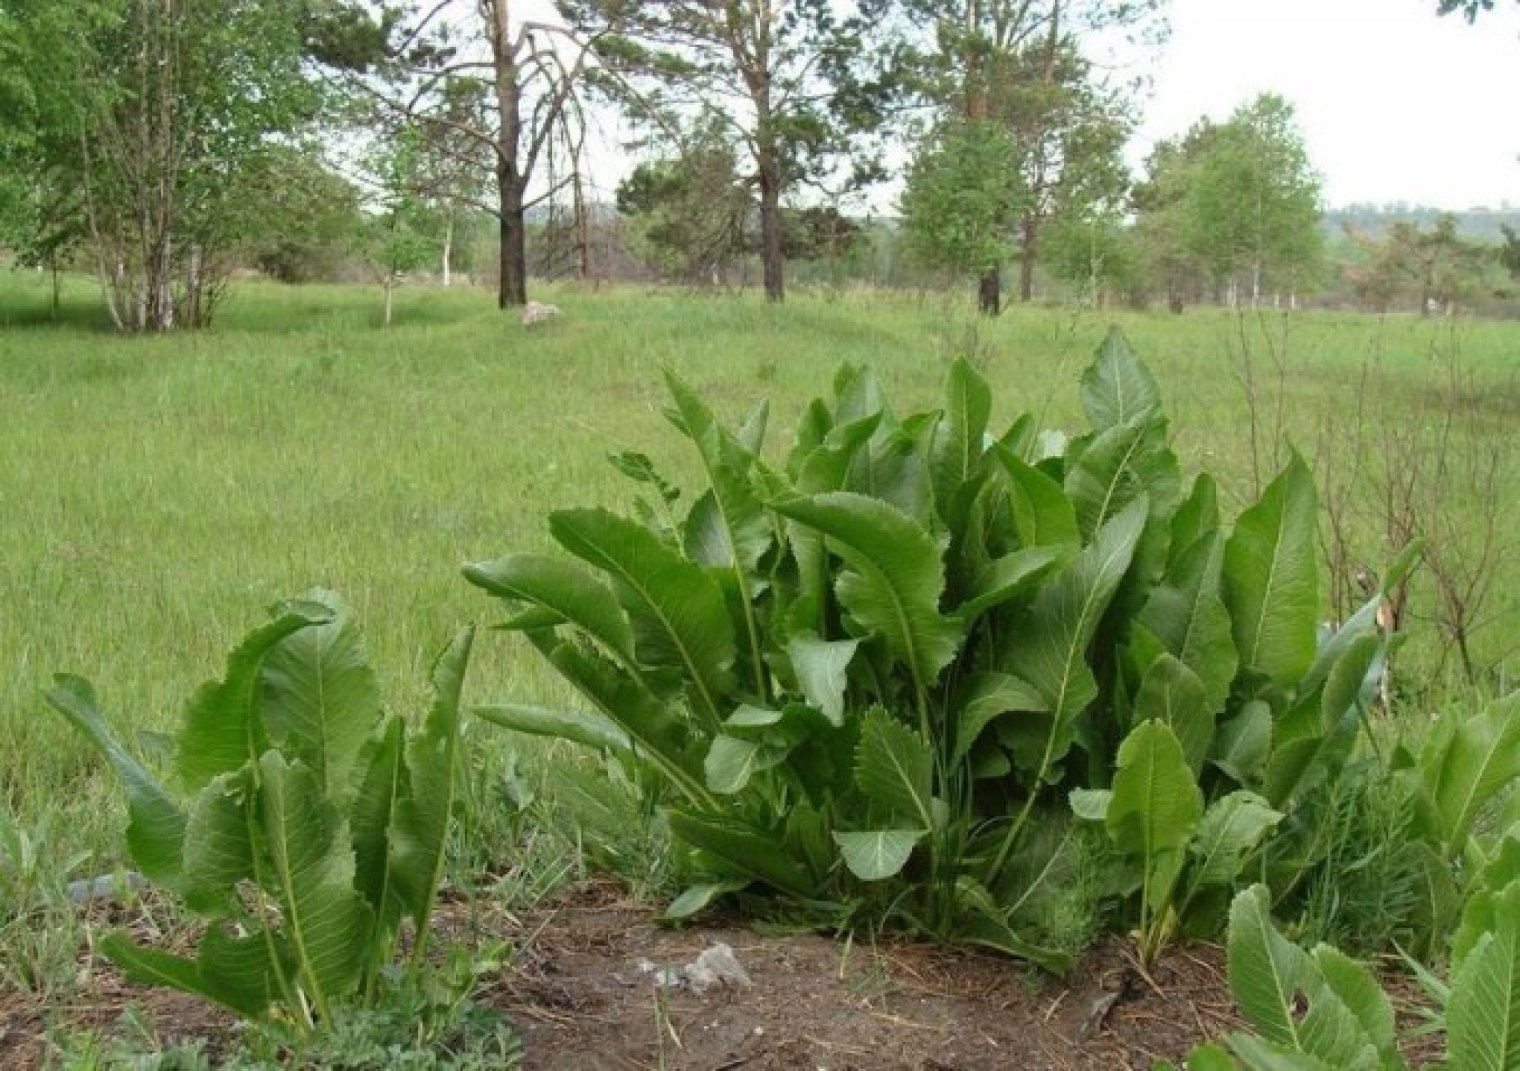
{"points": [[1155, 807], [1197, 517], [1364, 621], [1483, 1016], [622, 699], [1231, 827], [1057, 629], [1172, 694], [957, 448], [895, 580], [1117, 387], [1042, 514], [1271, 583], [1119, 465], [1355, 987], [983, 697], [584, 727], [1480, 913], [1469, 766], [1315, 736], [319, 697], [879, 854], [323, 917], [728, 528], [894, 468], [219, 848], [733, 760], [156, 825], [422, 820], [1243, 743], [564, 590], [241, 979], [895, 768], [1187, 615], [677, 610], [1267, 971], [223, 729], [823, 469], [1010, 577], [381, 788], [821, 667], [744, 849]]}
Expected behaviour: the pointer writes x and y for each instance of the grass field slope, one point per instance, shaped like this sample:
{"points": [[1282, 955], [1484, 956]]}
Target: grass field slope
{"points": [[157, 493]]}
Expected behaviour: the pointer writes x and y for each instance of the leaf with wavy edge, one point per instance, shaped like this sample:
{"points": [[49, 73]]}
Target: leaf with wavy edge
{"points": [[1042, 514], [562, 589], [1266, 970], [235, 972], [737, 528], [420, 832], [324, 919], [385, 782], [1230, 829], [1118, 465], [1185, 612], [1172, 694], [223, 727], [1062, 621], [677, 610], [1117, 387], [319, 697], [156, 825], [879, 854], [1473, 763], [895, 768], [956, 450], [1154, 810], [821, 667], [1483, 1016], [895, 580], [1271, 583]]}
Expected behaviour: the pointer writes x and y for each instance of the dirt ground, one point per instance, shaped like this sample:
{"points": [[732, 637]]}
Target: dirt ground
{"points": [[583, 997], [582, 991]]}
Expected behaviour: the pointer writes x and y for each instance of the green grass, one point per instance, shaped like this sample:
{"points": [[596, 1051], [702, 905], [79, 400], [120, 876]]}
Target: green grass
{"points": [[156, 494]]}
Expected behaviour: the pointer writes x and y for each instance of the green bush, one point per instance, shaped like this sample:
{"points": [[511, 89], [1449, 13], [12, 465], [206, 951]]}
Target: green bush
{"points": [[307, 825], [870, 678]]}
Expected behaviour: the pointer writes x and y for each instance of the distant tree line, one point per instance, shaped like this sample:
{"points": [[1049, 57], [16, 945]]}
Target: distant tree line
{"points": [[165, 146]]}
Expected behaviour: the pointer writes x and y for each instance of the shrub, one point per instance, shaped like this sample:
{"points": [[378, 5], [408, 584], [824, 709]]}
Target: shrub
{"points": [[868, 680], [306, 827]]}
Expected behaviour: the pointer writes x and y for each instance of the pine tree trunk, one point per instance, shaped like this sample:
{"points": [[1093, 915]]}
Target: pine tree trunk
{"points": [[512, 288], [770, 223], [512, 279], [1026, 259], [448, 250]]}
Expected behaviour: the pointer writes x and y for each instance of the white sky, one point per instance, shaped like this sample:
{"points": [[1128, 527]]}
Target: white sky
{"points": [[1395, 103]]}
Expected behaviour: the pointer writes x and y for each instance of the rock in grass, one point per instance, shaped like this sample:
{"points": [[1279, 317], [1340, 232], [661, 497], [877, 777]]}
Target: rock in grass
{"points": [[535, 312], [85, 891]]}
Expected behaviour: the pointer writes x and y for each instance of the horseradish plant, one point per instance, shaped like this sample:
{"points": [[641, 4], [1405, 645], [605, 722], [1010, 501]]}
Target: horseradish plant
{"points": [[304, 825], [1320, 1010], [870, 679]]}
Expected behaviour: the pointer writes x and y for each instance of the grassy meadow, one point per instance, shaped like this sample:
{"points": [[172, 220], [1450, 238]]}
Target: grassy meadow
{"points": [[156, 494]]}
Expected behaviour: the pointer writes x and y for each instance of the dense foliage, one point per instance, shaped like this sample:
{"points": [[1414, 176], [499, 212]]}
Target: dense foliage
{"points": [[869, 679], [307, 826]]}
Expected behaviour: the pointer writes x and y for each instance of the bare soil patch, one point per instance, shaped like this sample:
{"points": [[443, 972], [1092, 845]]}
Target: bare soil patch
{"points": [[582, 997]]}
